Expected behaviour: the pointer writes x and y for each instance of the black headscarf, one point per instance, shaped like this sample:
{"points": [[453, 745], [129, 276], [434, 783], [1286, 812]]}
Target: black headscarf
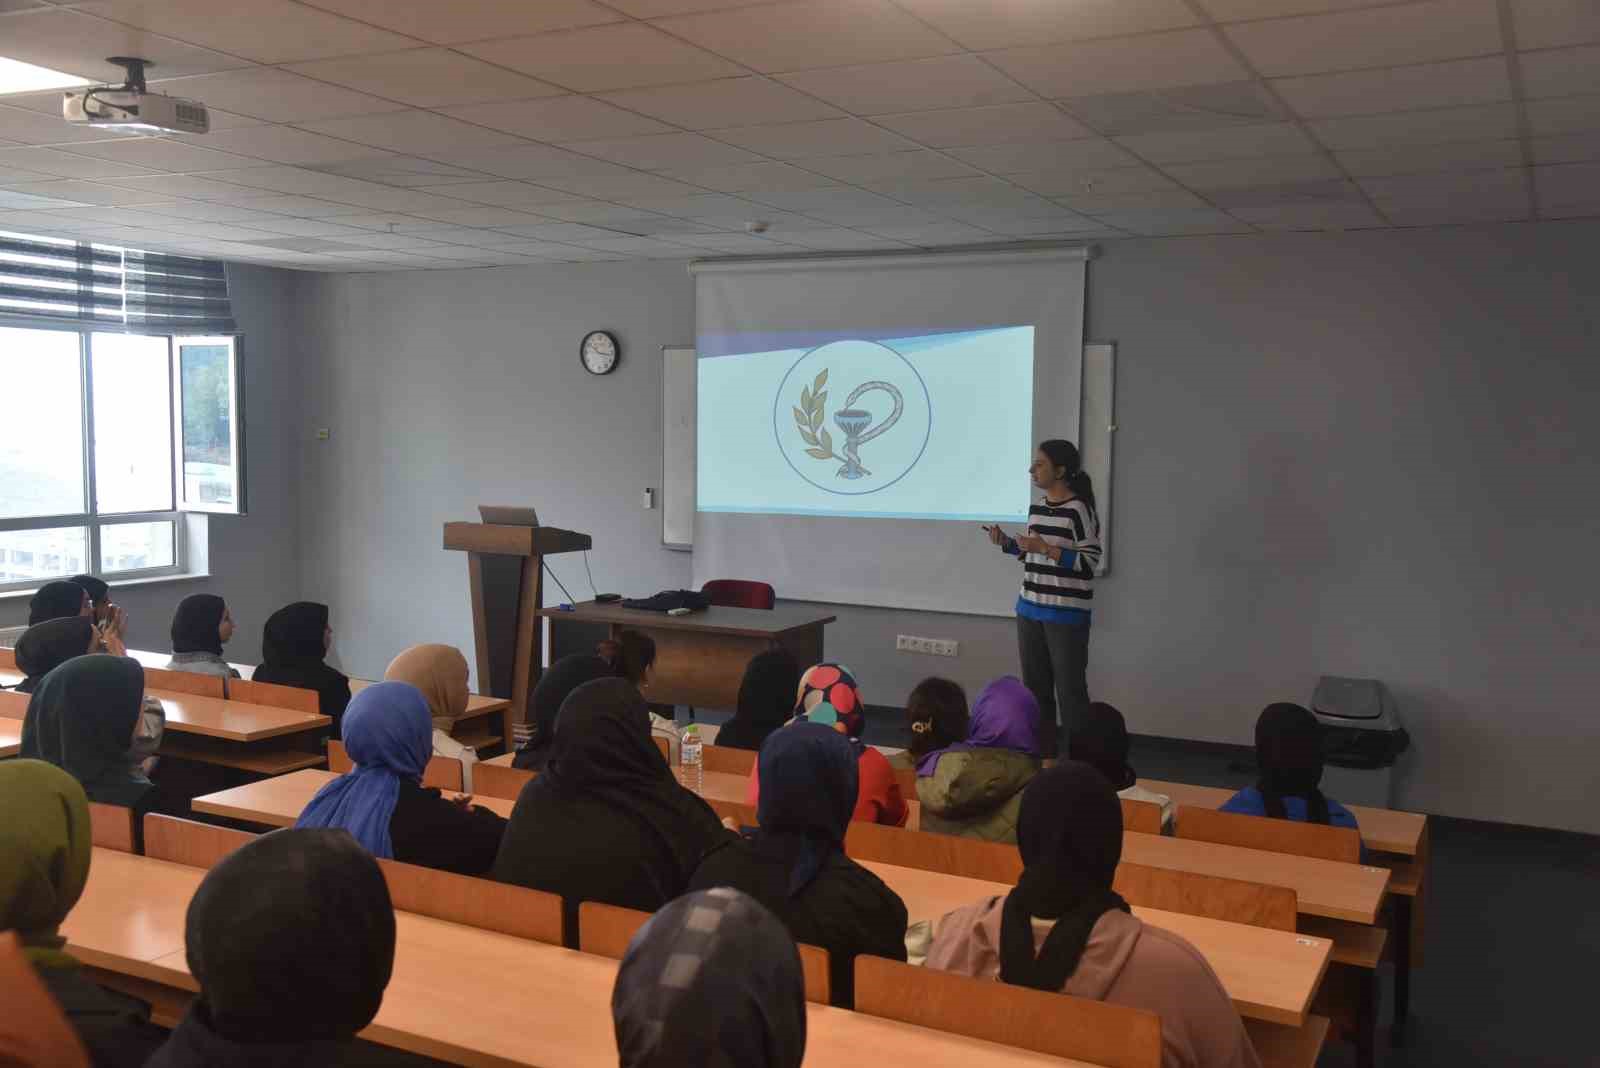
{"points": [[1289, 759], [291, 653], [603, 752], [766, 700], [81, 719], [1100, 739], [564, 676], [195, 623], [712, 980], [809, 780], [291, 937], [56, 600], [97, 589], [1070, 834], [45, 646]]}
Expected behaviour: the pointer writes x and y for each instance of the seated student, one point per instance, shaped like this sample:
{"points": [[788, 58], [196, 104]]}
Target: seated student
{"points": [[45, 646], [440, 672], [34, 1032], [794, 862], [1289, 760], [632, 656], [713, 979], [1063, 928], [829, 696], [974, 788], [57, 600], [291, 938], [766, 699], [389, 736], [562, 677], [1100, 740], [84, 717], [200, 627], [45, 850], [606, 820], [936, 715], [294, 643]]}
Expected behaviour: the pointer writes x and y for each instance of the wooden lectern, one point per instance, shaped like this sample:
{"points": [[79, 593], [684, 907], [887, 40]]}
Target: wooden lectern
{"points": [[505, 568]]}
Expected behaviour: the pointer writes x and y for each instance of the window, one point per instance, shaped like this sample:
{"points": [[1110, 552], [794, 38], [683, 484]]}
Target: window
{"points": [[106, 439]]}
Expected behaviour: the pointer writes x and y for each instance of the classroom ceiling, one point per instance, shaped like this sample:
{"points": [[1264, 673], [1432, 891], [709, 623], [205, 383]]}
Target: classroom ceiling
{"points": [[361, 135]]}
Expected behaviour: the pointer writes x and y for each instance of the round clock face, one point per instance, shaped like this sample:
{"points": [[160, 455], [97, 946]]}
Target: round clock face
{"points": [[599, 353]]}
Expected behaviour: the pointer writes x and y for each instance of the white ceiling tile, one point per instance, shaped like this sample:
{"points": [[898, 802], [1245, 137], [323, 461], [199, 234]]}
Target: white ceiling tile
{"points": [[70, 191], [1465, 208], [596, 213], [894, 215], [510, 194], [753, 177], [562, 118], [160, 153], [779, 223], [827, 137], [1430, 85], [78, 43], [285, 144], [427, 78], [1153, 224], [1479, 123], [560, 231], [1310, 217], [282, 224], [840, 239], [1229, 142], [724, 102], [795, 36], [1426, 159], [700, 205], [1573, 114], [1429, 187], [390, 223], [1124, 64], [1159, 200], [934, 234], [177, 185], [1561, 71], [1294, 191], [910, 85], [535, 162], [1240, 10], [920, 165], [419, 132], [1060, 184], [1573, 148], [627, 184], [297, 206], [1005, 23], [747, 243], [620, 56], [647, 247], [1044, 226], [1091, 153], [655, 152], [1192, 107], [1376, 37], [481, 216], [276, 95], [53, 163], [1568, 185], [267, 31], [470, 20], [946, 194], [1552, 23], [994, 125], [1267, 170], [405, 171], [204, 211]]}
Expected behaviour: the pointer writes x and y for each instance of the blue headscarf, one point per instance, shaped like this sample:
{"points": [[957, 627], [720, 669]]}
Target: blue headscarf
{"points": [[809, 781], [388, 732]]}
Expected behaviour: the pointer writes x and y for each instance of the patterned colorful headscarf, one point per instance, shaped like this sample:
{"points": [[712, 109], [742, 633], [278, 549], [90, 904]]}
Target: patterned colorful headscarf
{"points": [[829, 695]]}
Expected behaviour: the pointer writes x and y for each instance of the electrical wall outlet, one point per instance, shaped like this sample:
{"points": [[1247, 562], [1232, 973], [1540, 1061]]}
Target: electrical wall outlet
{"points": [[909, 643]]}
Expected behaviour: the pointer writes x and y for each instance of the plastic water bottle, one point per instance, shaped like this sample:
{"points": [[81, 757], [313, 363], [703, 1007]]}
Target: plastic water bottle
{"points": [[691, 772]]}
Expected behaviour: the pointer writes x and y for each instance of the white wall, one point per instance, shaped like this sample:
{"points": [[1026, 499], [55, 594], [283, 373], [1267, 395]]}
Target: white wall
{"points": [[1367, 454]]}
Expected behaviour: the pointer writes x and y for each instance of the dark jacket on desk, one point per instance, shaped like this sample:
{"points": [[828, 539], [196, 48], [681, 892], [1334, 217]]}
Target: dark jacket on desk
{"points": [[114, 1028], [430, 831]]}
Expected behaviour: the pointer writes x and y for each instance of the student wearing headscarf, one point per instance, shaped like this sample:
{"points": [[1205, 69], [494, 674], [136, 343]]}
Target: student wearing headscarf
{"points": [[45, 646], [554, 686], [1064, 929], [200, 627], [441, 673], [794, 862], [936, 716], [45, 850], [712, 979], [1100, 740], [291, 938], [828, 695], [57, 600], [974, 788], [83, 718], [34, 1032], [606, 820], [766, 700], [382, 802], [294, 643], [632, 656], [1289, 763]]}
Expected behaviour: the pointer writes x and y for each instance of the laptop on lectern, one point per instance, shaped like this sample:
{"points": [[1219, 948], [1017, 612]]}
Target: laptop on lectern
{"points": [[508, 515]]}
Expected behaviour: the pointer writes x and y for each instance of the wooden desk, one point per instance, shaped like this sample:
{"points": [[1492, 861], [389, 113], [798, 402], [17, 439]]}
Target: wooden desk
{"points": [[1270, 975], [479, 706], [449, 996], [279, 801], [151, 658], [701, 657], [10, 737], [1385, 830]]}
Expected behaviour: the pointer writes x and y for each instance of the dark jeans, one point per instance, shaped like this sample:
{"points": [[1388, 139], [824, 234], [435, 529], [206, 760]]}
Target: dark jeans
{"points": [[1055, 658]]}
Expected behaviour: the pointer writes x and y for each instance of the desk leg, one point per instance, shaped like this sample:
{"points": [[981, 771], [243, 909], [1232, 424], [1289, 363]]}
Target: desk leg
{"points": [[1366, 1017], [1400, 938]]}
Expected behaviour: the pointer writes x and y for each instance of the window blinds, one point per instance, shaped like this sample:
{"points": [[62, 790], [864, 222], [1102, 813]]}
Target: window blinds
{"points": [[106, 287]]}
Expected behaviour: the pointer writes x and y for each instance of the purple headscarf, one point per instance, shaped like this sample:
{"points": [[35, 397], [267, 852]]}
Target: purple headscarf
{"points": [[1005, 716]]}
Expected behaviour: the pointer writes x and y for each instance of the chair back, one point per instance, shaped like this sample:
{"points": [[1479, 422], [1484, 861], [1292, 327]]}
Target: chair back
{"points": [[906, 779], [727, 759], [197, 845], [742, 814], [275, 695], [113, 827], [1273, 836], [739, 593], [1141, 817], [14, 705], [442, 773], [8, 657], [664, 746], [500, 780], [946, 853], [183, 682], [1114, 1036], [1211, 896], [481, 903]]}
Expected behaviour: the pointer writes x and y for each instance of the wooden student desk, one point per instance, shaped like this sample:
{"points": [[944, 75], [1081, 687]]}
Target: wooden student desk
{"points": [[278, 802], [10, 737], [1270, 975], [470, 996], [701, 657], [1384, 830]]}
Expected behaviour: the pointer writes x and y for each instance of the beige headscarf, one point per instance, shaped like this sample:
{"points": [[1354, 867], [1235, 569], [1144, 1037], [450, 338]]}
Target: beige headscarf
{"points": [[440, 672]]}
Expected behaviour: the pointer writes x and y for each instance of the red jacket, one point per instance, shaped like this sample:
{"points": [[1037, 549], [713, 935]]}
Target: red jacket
{"points": [[878, 797]]}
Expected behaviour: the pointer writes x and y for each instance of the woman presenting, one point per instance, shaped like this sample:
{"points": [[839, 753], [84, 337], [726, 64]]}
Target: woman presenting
{"points": [[1060, 551]]}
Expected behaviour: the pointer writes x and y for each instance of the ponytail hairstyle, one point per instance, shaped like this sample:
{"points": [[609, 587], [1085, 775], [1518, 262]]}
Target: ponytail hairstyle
{"points": [[1064, 454], [936, 712], [629, 655]]}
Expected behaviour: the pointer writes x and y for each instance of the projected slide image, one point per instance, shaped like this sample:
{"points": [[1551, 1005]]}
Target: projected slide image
{"points": [[934, 426]]}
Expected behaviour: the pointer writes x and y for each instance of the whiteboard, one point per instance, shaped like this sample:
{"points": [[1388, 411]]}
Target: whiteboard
{"points": [[677, 446]]}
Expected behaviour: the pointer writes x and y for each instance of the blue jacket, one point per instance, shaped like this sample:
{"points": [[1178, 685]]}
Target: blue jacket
{"points": [[1248, 802]]}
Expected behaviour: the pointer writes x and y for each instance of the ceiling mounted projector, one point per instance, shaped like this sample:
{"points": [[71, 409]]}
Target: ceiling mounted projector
{"points": [[131, 106]]}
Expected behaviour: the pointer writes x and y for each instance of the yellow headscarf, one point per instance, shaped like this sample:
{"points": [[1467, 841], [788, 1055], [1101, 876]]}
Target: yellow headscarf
{"points": [[45, 846], [440, 672]]}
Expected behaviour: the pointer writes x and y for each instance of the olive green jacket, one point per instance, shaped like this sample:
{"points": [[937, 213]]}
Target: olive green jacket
{"points": [[976, 793]]}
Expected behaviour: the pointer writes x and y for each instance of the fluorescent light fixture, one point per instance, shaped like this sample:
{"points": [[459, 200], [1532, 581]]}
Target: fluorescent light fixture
{"points": [[19, 77]]}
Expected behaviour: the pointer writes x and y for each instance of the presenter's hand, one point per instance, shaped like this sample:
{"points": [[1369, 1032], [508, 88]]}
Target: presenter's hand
{"points": [[996, 535], [1032, 543]]}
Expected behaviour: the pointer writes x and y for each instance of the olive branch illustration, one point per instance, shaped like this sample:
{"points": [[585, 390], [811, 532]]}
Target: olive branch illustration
{"points": [[808, 417]]}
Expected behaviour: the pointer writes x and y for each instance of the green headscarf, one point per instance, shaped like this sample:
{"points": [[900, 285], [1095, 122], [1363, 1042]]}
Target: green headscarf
{"points": [[45, 845]]}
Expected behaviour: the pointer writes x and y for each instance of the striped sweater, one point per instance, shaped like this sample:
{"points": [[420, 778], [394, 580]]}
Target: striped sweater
{"points": [[1059, 591]]}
